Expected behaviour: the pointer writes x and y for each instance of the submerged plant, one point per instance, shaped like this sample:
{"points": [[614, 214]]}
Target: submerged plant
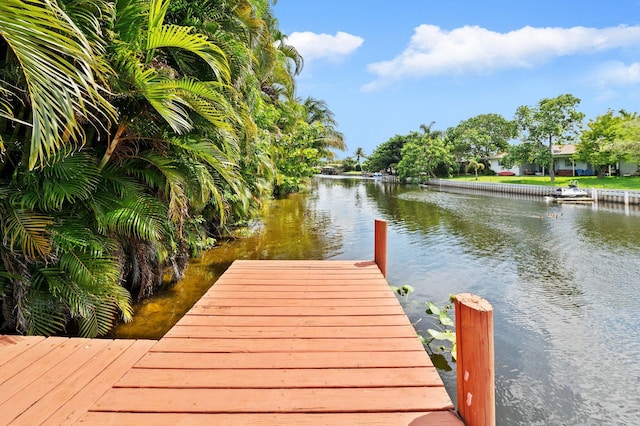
{"points": [[403, 291], [445, 332]]}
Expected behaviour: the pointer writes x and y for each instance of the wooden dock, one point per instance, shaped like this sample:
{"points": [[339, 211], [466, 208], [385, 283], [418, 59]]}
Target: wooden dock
{"points": [[272, 342]]}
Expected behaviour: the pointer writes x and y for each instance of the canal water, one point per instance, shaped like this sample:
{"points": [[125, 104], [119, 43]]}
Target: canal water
{"points": [[563, 281]]}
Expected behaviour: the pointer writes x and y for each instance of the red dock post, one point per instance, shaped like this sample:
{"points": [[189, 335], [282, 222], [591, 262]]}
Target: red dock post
{"points": [[475, 360], [380, 242]]}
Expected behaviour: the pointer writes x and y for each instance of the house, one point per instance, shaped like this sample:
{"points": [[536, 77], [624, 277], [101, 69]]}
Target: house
{"points": [[329, 170], [494, 164], [564, 163]]}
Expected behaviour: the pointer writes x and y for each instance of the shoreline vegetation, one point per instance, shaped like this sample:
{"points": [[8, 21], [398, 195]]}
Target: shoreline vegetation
{"points": [[631, 183], [134, 136]]}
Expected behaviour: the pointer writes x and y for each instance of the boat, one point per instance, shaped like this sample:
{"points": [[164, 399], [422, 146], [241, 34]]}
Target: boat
{"points": [[571, 191]]}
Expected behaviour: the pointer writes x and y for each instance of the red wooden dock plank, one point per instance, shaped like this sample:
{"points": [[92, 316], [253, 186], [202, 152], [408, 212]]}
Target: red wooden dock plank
{"points": [[280, 378], [224, 296], [171, 344], [297, 311], [285, 400], [29, 355], [308, 321], [88, 360], [358, 281], [299, 332], [345, 288], [254, 299], [301, 359], [433, 418], [33, 383], [34, 372]]}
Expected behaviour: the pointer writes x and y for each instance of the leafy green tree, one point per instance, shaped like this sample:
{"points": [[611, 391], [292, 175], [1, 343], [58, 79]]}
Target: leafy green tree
{"points": [[528, 152], [480, 136], [598, 141], [552, 121], [629, 143], [422, 155], [349, 164], [386, 155]]}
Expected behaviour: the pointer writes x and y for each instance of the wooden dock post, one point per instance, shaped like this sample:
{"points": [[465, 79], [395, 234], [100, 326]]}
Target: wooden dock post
{"points": [[380, 242], [475, 360]]}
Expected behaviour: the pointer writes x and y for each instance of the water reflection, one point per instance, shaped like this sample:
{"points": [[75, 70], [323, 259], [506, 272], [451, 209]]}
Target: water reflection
{"points": [[562, 280]]}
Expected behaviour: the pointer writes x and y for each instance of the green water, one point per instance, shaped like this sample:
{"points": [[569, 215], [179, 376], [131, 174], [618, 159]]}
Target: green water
{"points": [[563, 281]]}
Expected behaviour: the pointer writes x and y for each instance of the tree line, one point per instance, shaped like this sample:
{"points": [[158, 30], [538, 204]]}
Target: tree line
{"points": [[528, 138], [133, 134]]}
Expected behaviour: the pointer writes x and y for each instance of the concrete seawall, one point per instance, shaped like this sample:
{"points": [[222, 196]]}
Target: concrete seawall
{"points": [[625, 197]]}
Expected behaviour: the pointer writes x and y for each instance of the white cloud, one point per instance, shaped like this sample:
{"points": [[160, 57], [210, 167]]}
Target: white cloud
{"points": [[472, 49], [324, 46], [617, 74]]}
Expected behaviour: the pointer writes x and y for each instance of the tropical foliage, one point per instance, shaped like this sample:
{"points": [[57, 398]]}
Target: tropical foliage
{"points": [[481, 136], [418, 154], [422, 155], [551, 121], [132, 134], [609, 139]]}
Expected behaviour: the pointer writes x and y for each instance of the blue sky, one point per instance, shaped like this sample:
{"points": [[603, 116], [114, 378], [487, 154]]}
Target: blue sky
{"points": [[384, 68]]}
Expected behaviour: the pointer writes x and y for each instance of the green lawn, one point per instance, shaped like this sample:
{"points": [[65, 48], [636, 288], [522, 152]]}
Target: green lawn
{"points": [[608, 182]]}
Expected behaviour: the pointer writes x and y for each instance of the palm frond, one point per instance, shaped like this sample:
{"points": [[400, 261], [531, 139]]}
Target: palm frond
{"points": [[162, 95], [45, 315], [137, 216], [174, 182], [58, 63], [99, 320], [157, 12], [208, 100], [130, 20], [186, 39], [27, 231], [65, 179]]}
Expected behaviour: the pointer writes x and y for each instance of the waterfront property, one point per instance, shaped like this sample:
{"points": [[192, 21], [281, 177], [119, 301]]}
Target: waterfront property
{"points": [[564, 164], [272, 342]]}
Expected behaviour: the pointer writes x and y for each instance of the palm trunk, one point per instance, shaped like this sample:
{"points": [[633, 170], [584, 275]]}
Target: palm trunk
{"points": [[552, 173], [113, 144]]}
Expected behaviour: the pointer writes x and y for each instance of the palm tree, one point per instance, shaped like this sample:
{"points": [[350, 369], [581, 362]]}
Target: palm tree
{"points": [[318, 113], [359, 153], [475, 166]]}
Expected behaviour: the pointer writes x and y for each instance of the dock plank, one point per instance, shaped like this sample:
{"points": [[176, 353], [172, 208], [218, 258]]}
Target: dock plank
{"points": [[281, 378], [433, 418], [309, 359], [296, 332], [193, 344], [284, 400], [309, 321]]}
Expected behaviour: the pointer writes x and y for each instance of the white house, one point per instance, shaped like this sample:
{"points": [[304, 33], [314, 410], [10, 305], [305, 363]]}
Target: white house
{"points": [[494, 164], [564, 164]]}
